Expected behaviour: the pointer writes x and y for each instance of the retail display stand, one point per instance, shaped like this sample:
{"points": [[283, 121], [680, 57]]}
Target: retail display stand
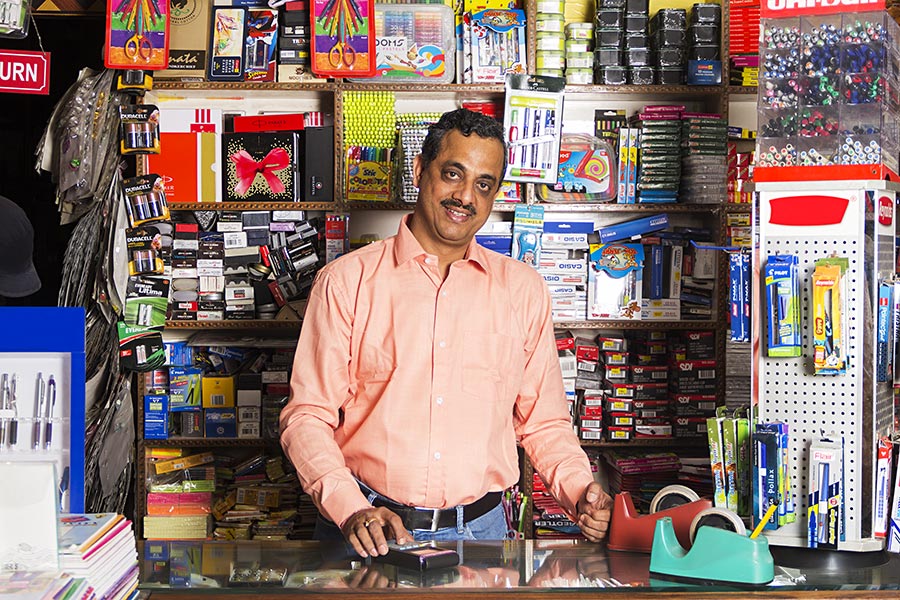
{"points": [[812, 220], [42, 392]]}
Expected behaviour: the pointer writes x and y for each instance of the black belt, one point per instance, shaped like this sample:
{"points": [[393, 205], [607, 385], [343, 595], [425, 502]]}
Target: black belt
{"points": [[434, 519]]}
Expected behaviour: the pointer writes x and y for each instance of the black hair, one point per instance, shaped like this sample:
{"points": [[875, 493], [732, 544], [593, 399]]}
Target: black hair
{"points": [[466, 122]]}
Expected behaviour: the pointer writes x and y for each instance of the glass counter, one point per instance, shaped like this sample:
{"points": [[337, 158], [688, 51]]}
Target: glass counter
{"points": [[558, 567]]}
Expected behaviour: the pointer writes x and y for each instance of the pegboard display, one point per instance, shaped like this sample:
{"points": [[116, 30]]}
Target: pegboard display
{"points": [[812, 221]]}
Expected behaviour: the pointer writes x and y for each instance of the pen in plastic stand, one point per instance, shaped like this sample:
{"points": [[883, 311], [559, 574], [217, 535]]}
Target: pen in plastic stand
{"points": [[51, 405], [36, 429]]}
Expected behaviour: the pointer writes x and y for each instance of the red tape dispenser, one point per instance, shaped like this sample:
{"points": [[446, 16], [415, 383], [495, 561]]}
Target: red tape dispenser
{"points": [[633, 532]]}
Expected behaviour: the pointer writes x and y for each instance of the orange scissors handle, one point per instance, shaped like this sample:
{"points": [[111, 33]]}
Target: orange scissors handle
{"points": [[138, 46], [342, 53]]}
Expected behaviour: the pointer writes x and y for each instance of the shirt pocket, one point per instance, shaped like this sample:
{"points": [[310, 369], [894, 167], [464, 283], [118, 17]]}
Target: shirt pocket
{"points": [[489, 368], [375, 368]]}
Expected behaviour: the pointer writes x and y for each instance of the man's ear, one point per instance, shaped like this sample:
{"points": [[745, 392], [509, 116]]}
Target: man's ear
{"points": [[417, 169]]}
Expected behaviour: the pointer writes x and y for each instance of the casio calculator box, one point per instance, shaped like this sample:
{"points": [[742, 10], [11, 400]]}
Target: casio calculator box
{"points": [[414, 42]]}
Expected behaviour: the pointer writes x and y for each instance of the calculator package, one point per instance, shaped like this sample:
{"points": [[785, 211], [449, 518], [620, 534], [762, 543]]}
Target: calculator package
{"points": [[414, 42]]}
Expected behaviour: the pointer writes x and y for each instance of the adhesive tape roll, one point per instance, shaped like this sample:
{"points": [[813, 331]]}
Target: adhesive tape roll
{"points": [[672, 496], [720, 518], [550, 60]]}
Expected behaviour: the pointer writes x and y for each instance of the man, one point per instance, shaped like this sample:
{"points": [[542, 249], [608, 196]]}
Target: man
{"points": [[422, 359]]}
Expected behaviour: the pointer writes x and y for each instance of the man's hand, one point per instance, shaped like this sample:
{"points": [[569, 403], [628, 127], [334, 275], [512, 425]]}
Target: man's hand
{"points": [[365, 531], [594, 511]]}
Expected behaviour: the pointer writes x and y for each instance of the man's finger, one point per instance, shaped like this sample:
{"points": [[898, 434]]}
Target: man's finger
{"points": [[395, 524]]}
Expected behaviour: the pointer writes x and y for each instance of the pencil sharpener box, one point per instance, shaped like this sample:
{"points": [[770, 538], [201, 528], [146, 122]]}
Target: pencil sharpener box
{"points": [[414, 43]]}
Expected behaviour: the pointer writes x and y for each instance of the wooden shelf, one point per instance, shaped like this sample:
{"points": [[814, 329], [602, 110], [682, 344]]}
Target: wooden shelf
{"points": [[250, 86], [739, 207], [635, 324], [235, 324], [647, 90], [459, 88], [647, 443], [191, 442], [742, 90], [239, 206]]}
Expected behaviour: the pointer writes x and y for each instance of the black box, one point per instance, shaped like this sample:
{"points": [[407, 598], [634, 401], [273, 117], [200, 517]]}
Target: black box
{"points": [[260, 167], [318, 164]]}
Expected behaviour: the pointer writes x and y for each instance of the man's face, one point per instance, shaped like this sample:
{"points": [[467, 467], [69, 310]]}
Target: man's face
{"points": [[456, 191]]}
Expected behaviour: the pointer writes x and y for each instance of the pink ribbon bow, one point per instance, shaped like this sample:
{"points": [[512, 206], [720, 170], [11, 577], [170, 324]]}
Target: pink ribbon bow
{"points": [[246, 169]]}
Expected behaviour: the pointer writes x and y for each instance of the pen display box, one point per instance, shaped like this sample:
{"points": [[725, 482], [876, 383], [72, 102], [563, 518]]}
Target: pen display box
{"points": [[414, 42], [260, 167], [828, 97]]}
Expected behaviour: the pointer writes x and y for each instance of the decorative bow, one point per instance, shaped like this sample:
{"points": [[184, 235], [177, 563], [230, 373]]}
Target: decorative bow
{"points": [[246, 169]]}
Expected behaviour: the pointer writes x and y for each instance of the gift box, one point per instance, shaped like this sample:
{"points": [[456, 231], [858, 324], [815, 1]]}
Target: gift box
{"points": [[260, 167]]}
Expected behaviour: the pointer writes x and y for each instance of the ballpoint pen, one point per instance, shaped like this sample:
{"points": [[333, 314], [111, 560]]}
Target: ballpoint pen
{"points": [[51, 405], [4, 406], [12, 431], [36, 428]]}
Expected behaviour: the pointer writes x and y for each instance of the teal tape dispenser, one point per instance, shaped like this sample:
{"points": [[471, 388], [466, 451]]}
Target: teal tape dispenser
{"points": [[716, 556]]}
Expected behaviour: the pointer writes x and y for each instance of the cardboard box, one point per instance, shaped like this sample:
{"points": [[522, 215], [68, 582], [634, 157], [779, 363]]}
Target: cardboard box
{"points": [[189, 27], [220, 422], [218, 392], [156, 417]]}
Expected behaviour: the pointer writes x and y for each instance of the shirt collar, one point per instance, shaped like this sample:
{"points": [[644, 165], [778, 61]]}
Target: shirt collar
{"points": [[408, 247]]}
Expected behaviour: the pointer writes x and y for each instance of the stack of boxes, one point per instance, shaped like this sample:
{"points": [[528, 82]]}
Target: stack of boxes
{"points": [[609, 42], [563, 265], [669, 37], [550, 57], [704, 164], [252, 264], [739, 174], [293, 43], [659, 178], [646, 384], [637, 43], [743, 41], [704, 37], [579, 53]]}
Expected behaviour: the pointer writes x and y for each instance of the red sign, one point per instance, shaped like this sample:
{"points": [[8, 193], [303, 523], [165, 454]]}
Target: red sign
{"points": [[776, 9], [886, 211], [23, 72]]}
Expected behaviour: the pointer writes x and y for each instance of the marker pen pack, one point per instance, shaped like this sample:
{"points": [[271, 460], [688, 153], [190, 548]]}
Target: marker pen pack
{"points": [[771, 484], [782, 282], [825, 500], [729, 460], [828, 306]]}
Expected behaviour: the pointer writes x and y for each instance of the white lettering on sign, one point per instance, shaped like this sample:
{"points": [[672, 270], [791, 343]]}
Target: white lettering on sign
{"points": [[18, 72]]}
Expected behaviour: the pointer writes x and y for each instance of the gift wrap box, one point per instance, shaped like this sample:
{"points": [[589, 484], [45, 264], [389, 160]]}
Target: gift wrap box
{"points": [[260, 167]]}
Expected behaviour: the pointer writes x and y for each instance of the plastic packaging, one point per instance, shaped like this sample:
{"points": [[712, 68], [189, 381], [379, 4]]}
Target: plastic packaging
{"points": [[586, 173]]}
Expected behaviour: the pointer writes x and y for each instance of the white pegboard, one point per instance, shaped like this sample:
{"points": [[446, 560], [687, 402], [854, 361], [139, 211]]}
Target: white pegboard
{"points": [[851, 405]]}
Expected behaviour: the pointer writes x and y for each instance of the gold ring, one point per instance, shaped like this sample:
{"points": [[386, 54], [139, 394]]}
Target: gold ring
{"points": [[368, 522]]}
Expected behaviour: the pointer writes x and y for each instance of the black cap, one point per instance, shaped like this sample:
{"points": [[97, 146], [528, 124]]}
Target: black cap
{"points": [[17, 275]]}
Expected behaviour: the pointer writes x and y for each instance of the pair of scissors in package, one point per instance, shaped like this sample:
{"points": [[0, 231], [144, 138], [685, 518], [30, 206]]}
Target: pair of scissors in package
{"points": [[139, 45], [342, 53]]}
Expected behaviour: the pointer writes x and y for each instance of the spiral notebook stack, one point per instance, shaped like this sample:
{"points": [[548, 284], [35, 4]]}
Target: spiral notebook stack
{"points": [[101, 549]]}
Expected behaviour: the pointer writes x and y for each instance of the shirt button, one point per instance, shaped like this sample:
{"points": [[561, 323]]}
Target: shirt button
{"points": [[444, 294], [428, 261], [437, 456], [442, 343], [439, 400]]}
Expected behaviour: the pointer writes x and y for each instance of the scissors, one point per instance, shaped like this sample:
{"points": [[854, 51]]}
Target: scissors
{"points": [[342, 52], [139, 45]]}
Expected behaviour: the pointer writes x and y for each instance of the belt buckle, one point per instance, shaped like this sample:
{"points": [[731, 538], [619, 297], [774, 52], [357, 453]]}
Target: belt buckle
{"points": [[435, 517]]}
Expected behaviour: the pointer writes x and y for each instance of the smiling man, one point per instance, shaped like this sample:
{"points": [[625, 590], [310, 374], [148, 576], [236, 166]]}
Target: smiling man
{"points": [[422, 360]]}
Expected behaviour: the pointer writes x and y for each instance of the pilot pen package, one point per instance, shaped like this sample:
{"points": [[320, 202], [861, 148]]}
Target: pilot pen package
{"points": [[829, 307], [615, 281], [782, 281]]}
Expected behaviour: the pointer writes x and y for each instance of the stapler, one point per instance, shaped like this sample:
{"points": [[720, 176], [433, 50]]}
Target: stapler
{"points": [[717, 556], [633, 532]]}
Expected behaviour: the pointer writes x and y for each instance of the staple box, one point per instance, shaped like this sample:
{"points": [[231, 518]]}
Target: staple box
{"points": [[695, 345], [248, 414], [218, 392], [649, 374], [188, 423], [248, 429], [249, 398], [619, 434], [220, 422], [590, 434], [690, 427], [652, 431], [694, 405]]}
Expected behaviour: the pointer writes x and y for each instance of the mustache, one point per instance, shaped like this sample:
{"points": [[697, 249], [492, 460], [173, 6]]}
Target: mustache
{"points": [[451, 203]]}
